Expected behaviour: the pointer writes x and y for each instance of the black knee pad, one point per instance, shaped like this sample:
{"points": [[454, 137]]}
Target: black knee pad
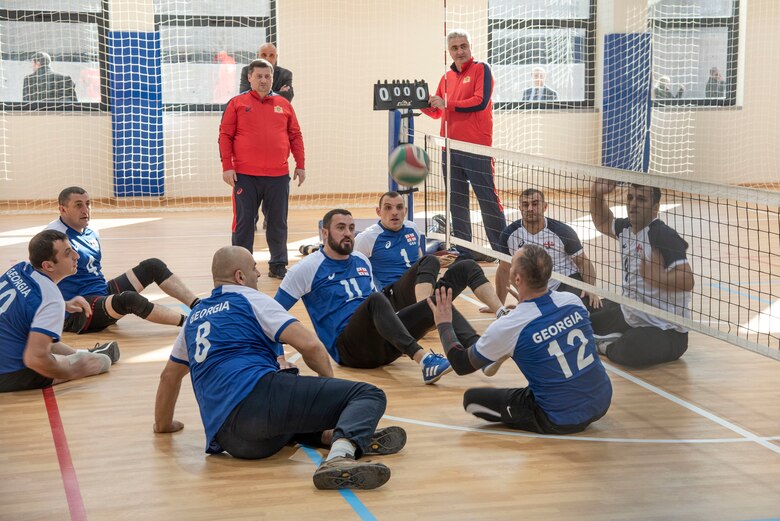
{"points": [[130, 302], [428, 269], [152, 270]]}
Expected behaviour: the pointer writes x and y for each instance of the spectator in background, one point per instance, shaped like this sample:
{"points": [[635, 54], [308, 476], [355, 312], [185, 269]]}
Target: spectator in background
{"points": [[45, 85], [716, 85], [282, 84], [540, 91], [663, 90], [259, 129]]}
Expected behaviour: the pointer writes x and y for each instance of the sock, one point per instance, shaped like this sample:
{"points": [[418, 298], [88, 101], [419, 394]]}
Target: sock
{"points": [[182, 320], [194, 302], [342, 447]]}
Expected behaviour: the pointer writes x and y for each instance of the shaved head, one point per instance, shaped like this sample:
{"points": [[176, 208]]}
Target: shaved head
{"points": [[234, 265]]}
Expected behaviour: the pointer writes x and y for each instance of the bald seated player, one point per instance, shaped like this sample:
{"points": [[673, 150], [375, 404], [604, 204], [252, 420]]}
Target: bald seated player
{"points": [[252, 409], [31, 312]]}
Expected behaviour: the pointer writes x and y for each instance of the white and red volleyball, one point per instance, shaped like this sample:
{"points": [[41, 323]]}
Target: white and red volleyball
{"points": [[409, 165]]}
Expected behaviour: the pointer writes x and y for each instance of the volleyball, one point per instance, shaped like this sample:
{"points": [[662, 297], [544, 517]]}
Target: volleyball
{"points": [[409, 165]]}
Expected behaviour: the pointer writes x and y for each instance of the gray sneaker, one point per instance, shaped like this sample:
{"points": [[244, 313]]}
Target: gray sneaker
{"points": [[603, 341], [386, 441], [343, 472], [111, 349], [492, 369], [438, 224]]}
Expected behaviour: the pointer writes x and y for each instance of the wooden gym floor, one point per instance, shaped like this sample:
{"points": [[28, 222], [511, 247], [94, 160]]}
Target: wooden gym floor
{"points": [[698, 439]]}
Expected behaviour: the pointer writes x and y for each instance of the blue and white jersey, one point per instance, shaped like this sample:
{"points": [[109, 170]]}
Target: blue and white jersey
{"points": [[331, 290], [551, 340], [88, 279], [391, 253], [29, 301], [557, 238], [230, 341], [636, 248]]}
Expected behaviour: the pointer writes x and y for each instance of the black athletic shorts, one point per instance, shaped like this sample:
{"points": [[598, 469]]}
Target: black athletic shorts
{"points": [[23, 380], [100, 319]]}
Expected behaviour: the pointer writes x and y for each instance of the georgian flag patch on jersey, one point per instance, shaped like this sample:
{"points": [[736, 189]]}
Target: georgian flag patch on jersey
{"points": [[361, 271], [411, 238]]}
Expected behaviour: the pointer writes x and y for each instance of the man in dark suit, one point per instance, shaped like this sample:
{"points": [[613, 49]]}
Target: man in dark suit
{"points": [[45, 85], [540, 91], [282, 84]]}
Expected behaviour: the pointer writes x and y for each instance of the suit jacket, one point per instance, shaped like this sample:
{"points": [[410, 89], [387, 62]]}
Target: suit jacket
{"points": [[546, 94], [282, 77], [45, 85]]}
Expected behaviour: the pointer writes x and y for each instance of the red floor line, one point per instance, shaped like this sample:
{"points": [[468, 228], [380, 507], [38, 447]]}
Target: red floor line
{"points": [[69, 479]]}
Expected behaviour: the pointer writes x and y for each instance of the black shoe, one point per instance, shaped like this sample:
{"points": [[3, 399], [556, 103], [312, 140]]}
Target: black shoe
{"points": [[386, 441], [343, 472], [110, 348], [438, 224], [277, 271]]}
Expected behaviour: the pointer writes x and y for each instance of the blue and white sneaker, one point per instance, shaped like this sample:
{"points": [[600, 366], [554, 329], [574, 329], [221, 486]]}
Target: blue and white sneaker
{"points": [[434, 366]]}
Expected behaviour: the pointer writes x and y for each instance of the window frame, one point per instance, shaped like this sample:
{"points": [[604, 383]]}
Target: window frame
{"points": [[731, 24], [100, 19], [269, 23], [588, 24]]}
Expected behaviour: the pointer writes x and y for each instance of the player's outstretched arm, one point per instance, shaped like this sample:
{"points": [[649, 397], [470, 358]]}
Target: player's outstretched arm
{"points": [[309, 346], [502, 281], [38, 357], [167, 394], [599, 209]]}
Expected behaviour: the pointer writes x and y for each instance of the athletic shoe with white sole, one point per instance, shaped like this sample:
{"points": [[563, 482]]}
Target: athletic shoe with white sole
{"points": [[343, 472], [434, 366], [111, 349], [603, 341], [492, 369]]}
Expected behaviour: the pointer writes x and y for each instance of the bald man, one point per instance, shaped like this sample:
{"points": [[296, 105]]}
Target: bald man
{"points": [[283, 79], [250, 407]]}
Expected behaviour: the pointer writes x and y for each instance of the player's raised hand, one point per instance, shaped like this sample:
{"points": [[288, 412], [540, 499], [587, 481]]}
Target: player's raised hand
{"points": [[300, 175], [602, 187], [442, 308], [78, 305], [229, 176]]}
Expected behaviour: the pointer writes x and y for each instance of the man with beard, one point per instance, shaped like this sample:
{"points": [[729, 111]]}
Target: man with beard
{"points": [[357, 323]]}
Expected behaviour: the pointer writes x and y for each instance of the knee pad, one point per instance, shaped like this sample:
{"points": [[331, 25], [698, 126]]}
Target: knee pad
{"points": [[428, 270], [152, 270], [130, 302]]}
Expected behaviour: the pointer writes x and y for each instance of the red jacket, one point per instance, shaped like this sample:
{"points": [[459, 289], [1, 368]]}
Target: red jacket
{"points": [[256, 136], [469, 107]]}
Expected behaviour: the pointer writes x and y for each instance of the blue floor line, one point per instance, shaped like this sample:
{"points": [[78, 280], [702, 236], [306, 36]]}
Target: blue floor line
{"points": [[741, 293], [349, 496]]}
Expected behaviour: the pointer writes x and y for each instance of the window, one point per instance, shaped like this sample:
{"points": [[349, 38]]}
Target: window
{"points": [[695, 49], [205, 45], [542, 53], [51, 59]]}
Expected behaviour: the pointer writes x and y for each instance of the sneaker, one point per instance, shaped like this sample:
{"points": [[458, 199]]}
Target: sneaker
{"points": [[386, 441], [603, 341], [111, 349], [277, 271], [344, 472], [492, 369], [434, 366], [438, 224]]}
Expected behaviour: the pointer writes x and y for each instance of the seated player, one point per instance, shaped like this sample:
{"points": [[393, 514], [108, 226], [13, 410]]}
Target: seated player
{"points": [[252, 409], [558, 238], [403, 273], [103, 303], [358, 324], [550, 338], [656, 273], [31, 311]]}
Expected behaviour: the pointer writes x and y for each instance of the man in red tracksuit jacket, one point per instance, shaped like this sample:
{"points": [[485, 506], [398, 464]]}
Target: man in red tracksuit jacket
{"points": [[259, 129], [469, 114]]}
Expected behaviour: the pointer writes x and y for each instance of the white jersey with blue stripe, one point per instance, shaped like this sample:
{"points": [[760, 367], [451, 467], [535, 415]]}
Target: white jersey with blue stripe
{"points": [[230, 341], [331, 290], [551, 340], [391, 253], [29, 302], [88, 279]]}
